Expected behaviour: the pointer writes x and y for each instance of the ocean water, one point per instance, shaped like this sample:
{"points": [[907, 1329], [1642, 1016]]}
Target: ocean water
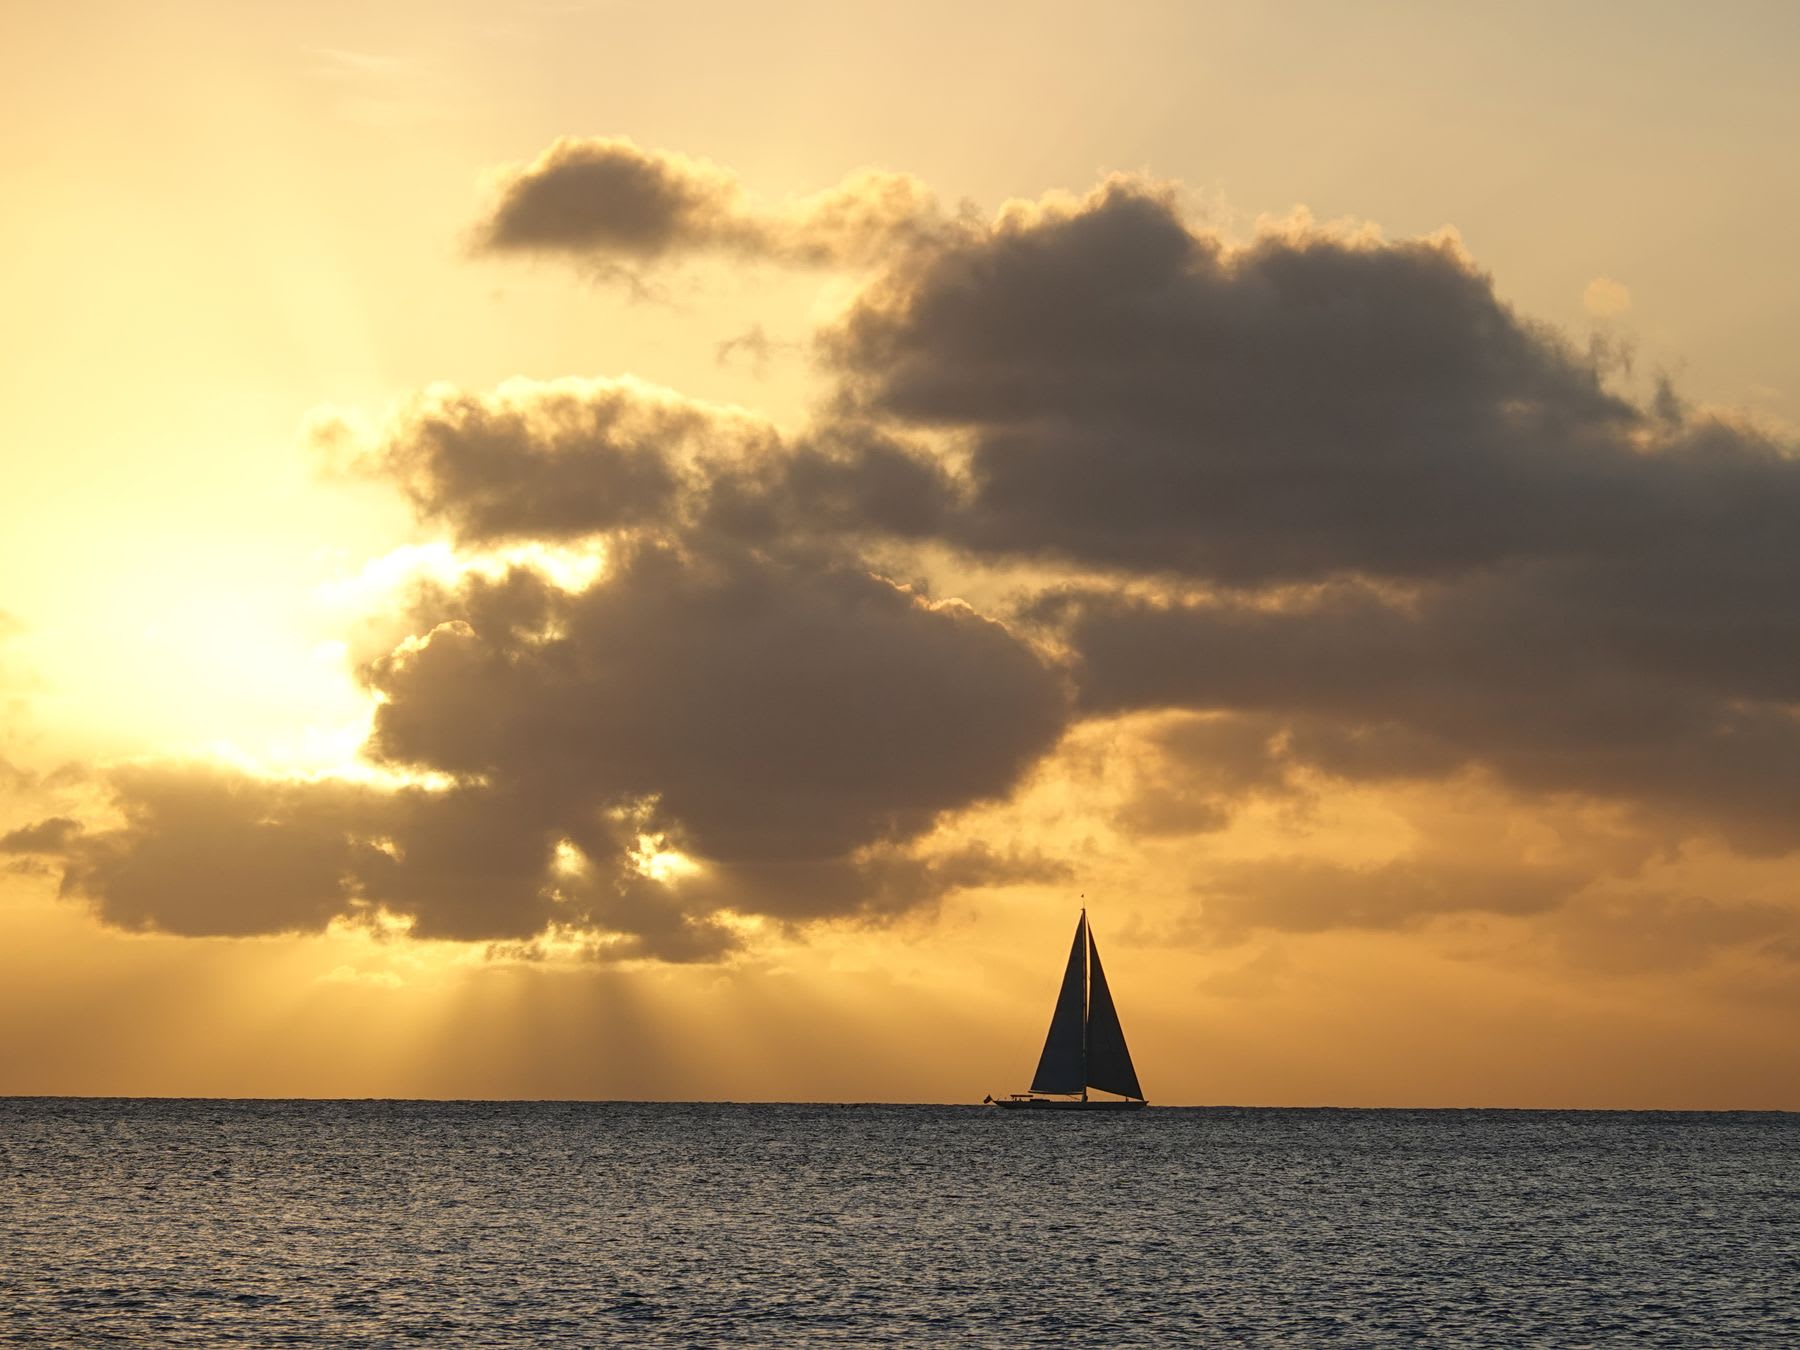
{"points": [[200, 1223]]}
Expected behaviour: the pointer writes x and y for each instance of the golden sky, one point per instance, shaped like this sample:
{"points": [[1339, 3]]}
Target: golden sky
{"points": [[586, 550]]}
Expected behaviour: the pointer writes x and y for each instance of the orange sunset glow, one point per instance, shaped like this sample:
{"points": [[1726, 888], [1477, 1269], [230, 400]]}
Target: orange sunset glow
{"points": [[588, 552]]}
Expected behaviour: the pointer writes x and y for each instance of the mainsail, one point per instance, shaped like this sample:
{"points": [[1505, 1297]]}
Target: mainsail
{"points": [[1086, 1045], [1062, 1067]]}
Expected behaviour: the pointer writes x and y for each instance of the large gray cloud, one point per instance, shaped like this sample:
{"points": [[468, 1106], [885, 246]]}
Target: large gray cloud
{"points": [[792, 727], [1136, 394], [781, 714], [1415, 533]]}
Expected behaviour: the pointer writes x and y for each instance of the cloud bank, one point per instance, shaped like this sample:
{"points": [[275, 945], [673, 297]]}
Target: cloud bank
{"points": [[1324, 495]]}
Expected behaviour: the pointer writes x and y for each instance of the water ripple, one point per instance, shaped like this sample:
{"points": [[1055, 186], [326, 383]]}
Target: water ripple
{"points": [[176, 1224]]}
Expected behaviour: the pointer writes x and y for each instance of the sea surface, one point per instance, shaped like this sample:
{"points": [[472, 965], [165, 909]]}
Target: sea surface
{"points": [[269, 1223]]}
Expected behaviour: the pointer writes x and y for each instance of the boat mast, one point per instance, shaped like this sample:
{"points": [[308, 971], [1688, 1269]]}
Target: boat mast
{"points": [[1087, 947]]}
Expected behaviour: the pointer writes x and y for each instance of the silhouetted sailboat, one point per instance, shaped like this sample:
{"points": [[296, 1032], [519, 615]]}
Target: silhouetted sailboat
{"points": [[1086, 1045]]}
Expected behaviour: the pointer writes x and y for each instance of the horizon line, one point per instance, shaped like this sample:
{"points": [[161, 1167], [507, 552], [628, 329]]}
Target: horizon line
{"points": [[845, 1103]]}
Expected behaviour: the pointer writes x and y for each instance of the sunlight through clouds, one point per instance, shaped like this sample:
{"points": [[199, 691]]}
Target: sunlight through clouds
{"points": [[747, 590]]}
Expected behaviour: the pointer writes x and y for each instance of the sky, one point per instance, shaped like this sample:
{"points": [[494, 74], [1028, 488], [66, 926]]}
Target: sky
{"points": [[580, 550]]}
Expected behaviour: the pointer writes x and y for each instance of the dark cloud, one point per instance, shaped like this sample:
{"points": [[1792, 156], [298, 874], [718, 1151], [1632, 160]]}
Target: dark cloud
{"points": [[609, 197], [566, 459], [778, 713], [46, 836], [1517, 672], [1422, 534], [607, 200], [552, 460], [791, 729], [207, 850], [842, 482], [1134, 394], [1313, 896]]}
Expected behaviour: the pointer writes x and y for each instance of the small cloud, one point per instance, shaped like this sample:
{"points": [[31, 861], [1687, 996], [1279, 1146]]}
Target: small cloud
{"points": [[754, 347], [335, 439], [617, 205], [1605, 298], [47, 836], [377, 979]]}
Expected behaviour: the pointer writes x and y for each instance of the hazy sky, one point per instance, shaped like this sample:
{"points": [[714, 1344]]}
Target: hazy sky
{"points": [[577, 550]]}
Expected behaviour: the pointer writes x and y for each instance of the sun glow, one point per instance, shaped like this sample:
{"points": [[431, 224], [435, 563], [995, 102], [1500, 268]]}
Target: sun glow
{"points": [[379, 580], [653, 858], [570, 861], [236, 677]]}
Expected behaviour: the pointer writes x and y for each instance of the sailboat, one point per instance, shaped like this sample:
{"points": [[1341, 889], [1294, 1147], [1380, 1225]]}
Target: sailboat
{"points": [[1086, 1045]]}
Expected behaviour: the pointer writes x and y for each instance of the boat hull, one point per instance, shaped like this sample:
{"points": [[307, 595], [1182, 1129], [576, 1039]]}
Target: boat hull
{"points": [[1057, 1104]]}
